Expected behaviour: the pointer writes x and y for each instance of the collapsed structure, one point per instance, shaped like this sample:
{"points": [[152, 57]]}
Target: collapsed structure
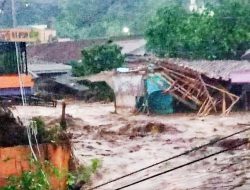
{"points": [[197, 90], [154, 85]]}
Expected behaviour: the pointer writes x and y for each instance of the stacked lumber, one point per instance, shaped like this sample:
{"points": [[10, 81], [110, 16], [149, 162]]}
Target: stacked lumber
{"points": [[189, 87]]}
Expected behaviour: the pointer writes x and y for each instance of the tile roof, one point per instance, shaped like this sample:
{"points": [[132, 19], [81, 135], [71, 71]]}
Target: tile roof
{"points": [[60, 52], [12, 81], [64, 52]]}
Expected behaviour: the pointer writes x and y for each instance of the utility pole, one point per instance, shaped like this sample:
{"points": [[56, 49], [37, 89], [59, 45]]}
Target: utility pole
{"points": [[13, 10]]}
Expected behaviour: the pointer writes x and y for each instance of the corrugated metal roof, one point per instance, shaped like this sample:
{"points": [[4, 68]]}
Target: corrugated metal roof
{"points": [[12, 81], [43, 67], [135, 46], [219, 69]]}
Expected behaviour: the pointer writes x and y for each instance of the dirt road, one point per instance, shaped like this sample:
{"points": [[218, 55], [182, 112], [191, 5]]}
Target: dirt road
{"points": [[126, 143]]}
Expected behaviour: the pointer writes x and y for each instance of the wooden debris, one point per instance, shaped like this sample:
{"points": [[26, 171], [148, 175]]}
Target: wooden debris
{"points": [[189, 87]]}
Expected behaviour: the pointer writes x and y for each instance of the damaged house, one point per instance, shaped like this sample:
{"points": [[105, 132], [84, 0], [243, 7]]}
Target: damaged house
{"points": [[159, 85]]}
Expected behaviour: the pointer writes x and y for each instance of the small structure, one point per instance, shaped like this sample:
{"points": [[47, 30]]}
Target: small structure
{"points": [[136, 90], [39, 68], [10, 80], [32, 34], [127, 86], [44, 33], [10, 85], [18, 35]]}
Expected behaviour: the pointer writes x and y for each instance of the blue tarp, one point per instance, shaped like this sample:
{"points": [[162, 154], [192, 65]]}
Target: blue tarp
{"points": [[158, 102]]}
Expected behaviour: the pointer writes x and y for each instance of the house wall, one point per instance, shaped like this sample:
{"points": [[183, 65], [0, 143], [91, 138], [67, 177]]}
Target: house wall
{"points": [[127, 86], [15, 91], [46, 35]]}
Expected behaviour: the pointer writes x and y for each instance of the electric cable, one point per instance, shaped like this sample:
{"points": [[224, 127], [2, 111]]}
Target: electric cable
{"points": [[22, 90], [212, 142], [184, 165]]}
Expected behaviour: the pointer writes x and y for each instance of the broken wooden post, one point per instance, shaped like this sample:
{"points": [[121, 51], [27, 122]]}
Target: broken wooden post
{"points": [[115, 103], [63, 123]]}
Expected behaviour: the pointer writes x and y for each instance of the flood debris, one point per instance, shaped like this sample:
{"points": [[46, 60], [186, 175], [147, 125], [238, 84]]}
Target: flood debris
{"points": [[147, 128], [231, 143], [14, 133], [196, 90]]}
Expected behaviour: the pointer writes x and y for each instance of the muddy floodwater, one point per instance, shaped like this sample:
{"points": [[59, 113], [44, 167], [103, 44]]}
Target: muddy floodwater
{"points": [[129, 142]]}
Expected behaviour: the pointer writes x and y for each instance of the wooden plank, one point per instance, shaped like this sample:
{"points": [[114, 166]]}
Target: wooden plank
{"points": [[190, 96], [223, 103], [202, 107], [231, 106], [179, 74], [207, 93], [221, 90], [190, 105]]}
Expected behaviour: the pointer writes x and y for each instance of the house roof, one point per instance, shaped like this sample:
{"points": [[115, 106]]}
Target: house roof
{"points": [[213, 69], [64, 52], [132, 46], [44, 67], [12, 81], [60, 52]]}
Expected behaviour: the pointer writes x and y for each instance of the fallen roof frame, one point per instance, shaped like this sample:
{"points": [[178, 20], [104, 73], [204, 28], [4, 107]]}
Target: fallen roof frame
{"points": [[189, 87]]}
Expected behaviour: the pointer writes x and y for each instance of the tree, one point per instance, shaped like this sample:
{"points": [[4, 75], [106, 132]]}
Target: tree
{"points": [[221, 31], [99, 18], [98, 58]]}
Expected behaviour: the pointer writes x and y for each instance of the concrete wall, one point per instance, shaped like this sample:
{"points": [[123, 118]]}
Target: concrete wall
{"points": [[127, 86], [46, 35]]}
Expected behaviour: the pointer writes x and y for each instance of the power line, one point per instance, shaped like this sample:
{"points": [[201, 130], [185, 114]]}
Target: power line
{"points": [[183, 165], [212, 142]]}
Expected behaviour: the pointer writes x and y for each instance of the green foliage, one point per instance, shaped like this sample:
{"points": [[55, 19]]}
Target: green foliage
{"points": [[8, 63], [99, 18], [53, 134], [37, 12], [98, 58], [98, 91], [221, 31], [36, 179], [83, 174]]}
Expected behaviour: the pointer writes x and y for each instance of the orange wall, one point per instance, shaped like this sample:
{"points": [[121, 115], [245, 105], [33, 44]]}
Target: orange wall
{"points": [[15, 160]]}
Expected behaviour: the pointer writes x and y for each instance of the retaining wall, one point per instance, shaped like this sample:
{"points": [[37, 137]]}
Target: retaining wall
{"points": [[15, 160]]}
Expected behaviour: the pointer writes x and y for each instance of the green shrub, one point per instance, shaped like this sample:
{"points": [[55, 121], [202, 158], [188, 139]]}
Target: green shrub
{"points": [[98, 58], [35, 179], [83, 174]]}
